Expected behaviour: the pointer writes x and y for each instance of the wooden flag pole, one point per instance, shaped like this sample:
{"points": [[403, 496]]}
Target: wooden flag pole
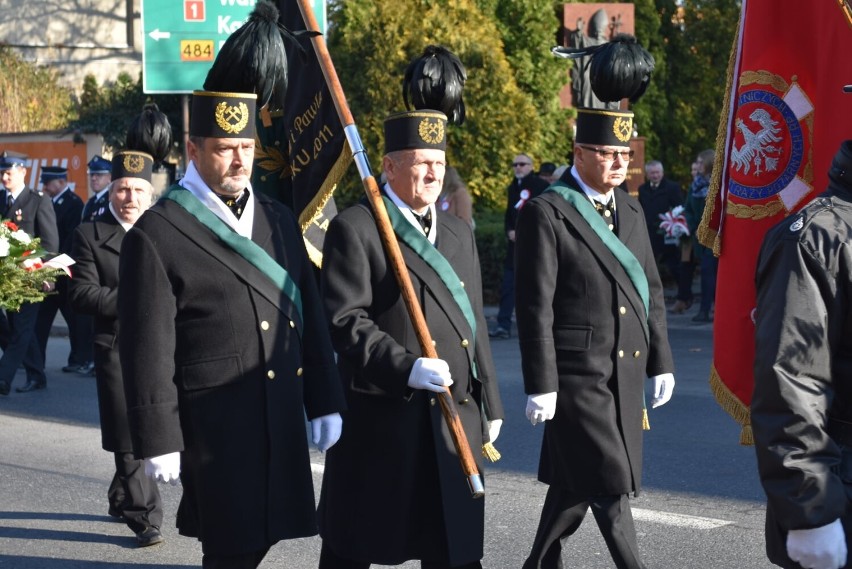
{"points": [[448, 408]]}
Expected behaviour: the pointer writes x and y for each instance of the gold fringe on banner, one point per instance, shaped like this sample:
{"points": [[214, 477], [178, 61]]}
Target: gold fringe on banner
{"points": [[646, 424], [490, 452], [732, 406], [710, 238]]}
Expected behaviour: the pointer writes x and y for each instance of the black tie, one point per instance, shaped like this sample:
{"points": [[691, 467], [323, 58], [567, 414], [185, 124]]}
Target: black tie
{"points": [[607, 212], [237, 205], [424, 220], [9, 201]]}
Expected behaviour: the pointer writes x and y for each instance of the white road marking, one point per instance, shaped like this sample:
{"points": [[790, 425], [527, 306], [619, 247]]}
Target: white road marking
{"points": [[665, 518], [679, 520]]}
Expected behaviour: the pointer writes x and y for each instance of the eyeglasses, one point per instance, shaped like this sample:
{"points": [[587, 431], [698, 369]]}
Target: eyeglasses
{"points": [[609, 155], [519, 164]]}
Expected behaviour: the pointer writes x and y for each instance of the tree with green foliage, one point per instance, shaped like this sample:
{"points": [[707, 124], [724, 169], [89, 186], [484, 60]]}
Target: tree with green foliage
{"points": [[699, 36], [372, 41], [30, 96], [108, 109]]}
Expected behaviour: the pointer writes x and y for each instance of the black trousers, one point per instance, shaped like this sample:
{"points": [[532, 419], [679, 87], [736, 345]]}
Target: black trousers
{"points": [[562, 515], [245, 561], [23, 346], [330, 560], [141, 505]]}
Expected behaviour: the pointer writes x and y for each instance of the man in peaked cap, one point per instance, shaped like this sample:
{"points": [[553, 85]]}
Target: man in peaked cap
{"points": [[217, 275], [589, 335], [133, 496], [67, 207], [99, 171], [33, 213], [396, 443]]}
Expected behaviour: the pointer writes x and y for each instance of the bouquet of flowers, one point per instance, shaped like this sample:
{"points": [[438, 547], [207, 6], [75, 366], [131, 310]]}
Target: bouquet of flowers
{"points": [[673, 226], [22, 272]]}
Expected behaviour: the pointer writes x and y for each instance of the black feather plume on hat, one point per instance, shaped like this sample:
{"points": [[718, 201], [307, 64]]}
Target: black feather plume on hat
{"points": [[150, 132], [619, 69], [254, 58], [435, 80]]}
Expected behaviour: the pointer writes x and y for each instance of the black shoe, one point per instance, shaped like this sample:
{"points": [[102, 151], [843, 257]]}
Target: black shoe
{"points": [[149, 536], [86, 369], [70, 368], [4, 388], [499, 332], [702, 317], [31, 386]]}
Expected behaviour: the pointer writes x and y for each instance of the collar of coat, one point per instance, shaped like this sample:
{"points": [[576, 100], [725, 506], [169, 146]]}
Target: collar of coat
{"points": [[625, 257], [432, 257], [245, 247]]}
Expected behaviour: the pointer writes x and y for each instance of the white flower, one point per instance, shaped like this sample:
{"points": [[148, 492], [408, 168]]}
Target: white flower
{"points": [[21, 236], [4, 247]]}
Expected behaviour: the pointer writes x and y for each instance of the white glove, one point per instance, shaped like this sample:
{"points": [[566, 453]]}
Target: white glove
{"points": [[430, 373], [541, 407], [165, 468], [494, 429], [819, 548], [326, 430], [663, 388]]}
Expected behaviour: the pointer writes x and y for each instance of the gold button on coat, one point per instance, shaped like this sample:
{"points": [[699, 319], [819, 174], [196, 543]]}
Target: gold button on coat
{"points": [[270, 374], [620, 353], [299, 372], [464, 401], [622, 310], [636, 354], [264, 325], [464, 343], [432, 402]]}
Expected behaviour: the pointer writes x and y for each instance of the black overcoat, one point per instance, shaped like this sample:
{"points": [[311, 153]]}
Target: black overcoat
{"points": [[393, 489], [33, 212], [801, 409], [218, 364], [68, 209], [581, 335], [94, 291]]}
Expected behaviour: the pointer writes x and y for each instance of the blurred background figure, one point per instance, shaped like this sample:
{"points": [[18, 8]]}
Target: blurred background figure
{"points": [[545, 172], [68, 209], [704, 257], [455, 198], [657, 196], [524, 186]]}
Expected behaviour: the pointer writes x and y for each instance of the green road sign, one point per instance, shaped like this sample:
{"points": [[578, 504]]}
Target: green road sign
{"points": [[182, 38]]}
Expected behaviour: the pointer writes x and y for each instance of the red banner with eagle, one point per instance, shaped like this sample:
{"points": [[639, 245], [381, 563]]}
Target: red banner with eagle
{"points": [[783, 119]]}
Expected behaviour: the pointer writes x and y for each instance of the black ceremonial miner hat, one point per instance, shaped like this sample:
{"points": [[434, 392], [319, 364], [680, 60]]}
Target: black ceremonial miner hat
{"points": [[604, 127], [222, 115], [132, 164], [415, 129]]}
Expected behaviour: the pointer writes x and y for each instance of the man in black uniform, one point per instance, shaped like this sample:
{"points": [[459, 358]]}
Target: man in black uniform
{"points": [[33, 213], [396, 443], [93, 291], [224, 346], [68, 208], [99, 170], [591, 326], [801, 410]]}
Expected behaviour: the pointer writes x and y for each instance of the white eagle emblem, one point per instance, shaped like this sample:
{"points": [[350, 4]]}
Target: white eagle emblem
{"points": [[757, 147]]}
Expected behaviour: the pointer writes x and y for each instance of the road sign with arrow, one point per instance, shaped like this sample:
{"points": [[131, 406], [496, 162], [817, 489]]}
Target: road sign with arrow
{"points": [[182, 38]]}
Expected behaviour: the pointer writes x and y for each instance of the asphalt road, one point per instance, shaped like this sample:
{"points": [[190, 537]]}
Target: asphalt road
{"points": [[701, 506]]}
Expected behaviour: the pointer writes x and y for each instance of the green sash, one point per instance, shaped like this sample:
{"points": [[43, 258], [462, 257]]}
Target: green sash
{"points": [[624, 256], [426, 251], [248, 249]]}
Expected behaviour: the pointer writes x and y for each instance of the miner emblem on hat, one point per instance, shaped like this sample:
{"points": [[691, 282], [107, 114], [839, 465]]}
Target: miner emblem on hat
{"points": [[223, 115]]}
